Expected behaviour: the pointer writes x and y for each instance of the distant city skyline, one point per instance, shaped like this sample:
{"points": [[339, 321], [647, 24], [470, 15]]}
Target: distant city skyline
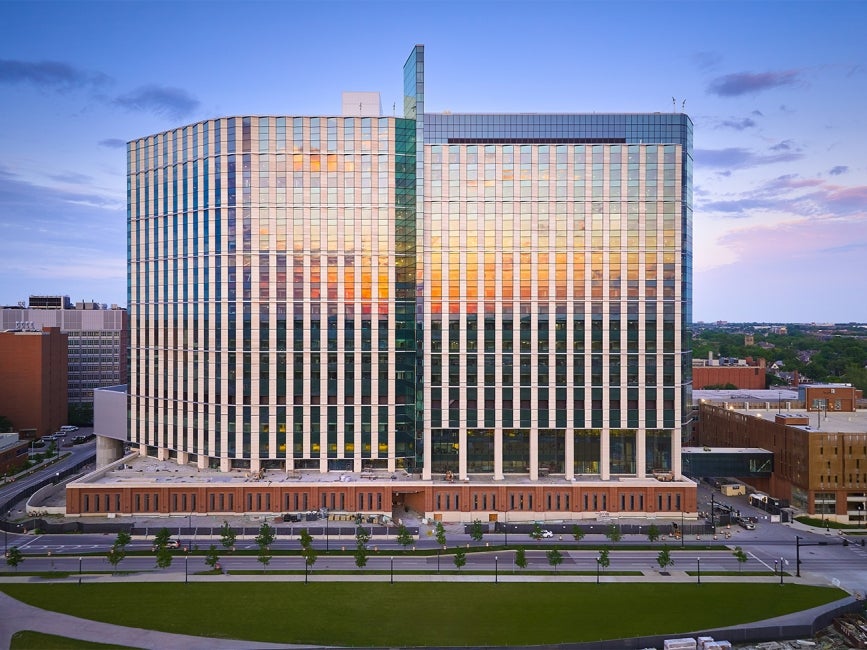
{"points": [[777, 93]]}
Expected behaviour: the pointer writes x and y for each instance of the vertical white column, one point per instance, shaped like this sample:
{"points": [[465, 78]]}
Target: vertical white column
{"points": [[605, 455]]}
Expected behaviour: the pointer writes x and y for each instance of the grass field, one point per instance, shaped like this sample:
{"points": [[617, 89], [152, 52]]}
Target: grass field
{"points": [[380, 614], [38, 641]]}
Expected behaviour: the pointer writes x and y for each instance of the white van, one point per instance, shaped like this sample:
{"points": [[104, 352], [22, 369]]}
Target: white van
{"points": [[68, 428]]}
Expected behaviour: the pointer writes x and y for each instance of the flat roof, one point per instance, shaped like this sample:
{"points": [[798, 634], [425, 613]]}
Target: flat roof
{"points": [[744, 394], [819, 421], [724, 450], [137, 470]]}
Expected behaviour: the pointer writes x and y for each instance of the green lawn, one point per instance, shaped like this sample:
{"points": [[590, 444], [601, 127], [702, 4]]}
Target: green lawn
{"points": [[39, 641], [441, 614]]}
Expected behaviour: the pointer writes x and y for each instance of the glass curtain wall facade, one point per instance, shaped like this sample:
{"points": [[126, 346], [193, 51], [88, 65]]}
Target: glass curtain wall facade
{"points": [[557, 273], [272, 293], [497, 295]]}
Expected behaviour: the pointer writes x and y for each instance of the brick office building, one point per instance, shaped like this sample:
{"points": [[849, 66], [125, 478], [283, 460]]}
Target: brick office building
{"points": [[33, 379], [820, 453]]}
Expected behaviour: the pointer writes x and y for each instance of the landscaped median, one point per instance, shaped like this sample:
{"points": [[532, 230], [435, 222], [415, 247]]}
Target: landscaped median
{"points": [[441, 614]]}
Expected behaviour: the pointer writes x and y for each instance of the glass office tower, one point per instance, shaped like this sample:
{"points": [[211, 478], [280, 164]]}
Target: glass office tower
{"points": [[493, 298], [556, 268], [272, 293]]}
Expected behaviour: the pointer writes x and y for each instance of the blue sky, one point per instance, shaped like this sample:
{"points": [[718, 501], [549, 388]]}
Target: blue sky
{"points": [[777, 92]]}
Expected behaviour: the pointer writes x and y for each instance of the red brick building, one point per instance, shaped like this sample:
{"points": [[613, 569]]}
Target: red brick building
{"points": [[746, 374], [820, 453], [33, 374]]}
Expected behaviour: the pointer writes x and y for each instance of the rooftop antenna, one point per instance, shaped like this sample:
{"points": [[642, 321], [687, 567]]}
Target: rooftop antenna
{"points": [[683, 106], [673, 105]]}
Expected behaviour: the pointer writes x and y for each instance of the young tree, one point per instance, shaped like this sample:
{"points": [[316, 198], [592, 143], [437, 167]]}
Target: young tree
{"points": [[266, 536], [555, 558], [115, 555], [162, 538], [604, 559], [211, 557], [14, 557], [164, 557], [476, 531], [441, 534], [306, 539], [309, 555], [741, 557], [404, 537], [536, 533], [577, 532], [613, 533], [664, 559], [460, 558], [521, 558], [123, 538], [227, 536], [263, 556], [653, 533], [362, 537]]}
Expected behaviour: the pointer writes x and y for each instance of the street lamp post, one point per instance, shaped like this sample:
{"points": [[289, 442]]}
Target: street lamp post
{"points": [[6, 533], [781, 571], [682, 531], [391, 579], [597, 571], [496, 572], [80, 560], [438, 561], [775, 567], [698, 570], [797, 556], [713, 514], [186, 569]]}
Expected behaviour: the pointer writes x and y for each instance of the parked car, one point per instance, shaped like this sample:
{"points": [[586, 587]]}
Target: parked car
{"points": [[68, 428], [542, 534], [747, 524]]}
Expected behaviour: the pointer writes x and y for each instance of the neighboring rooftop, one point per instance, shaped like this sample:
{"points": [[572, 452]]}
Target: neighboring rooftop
{"points": [[137, 469], [820, 421]]}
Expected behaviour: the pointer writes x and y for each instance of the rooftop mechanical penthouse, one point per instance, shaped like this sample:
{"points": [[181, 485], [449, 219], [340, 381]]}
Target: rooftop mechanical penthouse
{"points": [[492, 308]]}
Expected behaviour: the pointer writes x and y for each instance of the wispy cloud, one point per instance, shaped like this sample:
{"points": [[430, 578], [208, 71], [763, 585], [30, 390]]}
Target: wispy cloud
{"points": [[838, 170], [741, 158], [112, 143], [72, 178], [160, 100], [797, 197], [55, 75], [56, 240], [745, 83], [738, 124]]}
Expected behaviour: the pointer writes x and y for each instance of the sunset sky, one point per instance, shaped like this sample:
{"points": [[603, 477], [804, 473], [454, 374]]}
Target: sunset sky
{"points": [[777, 92]]}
